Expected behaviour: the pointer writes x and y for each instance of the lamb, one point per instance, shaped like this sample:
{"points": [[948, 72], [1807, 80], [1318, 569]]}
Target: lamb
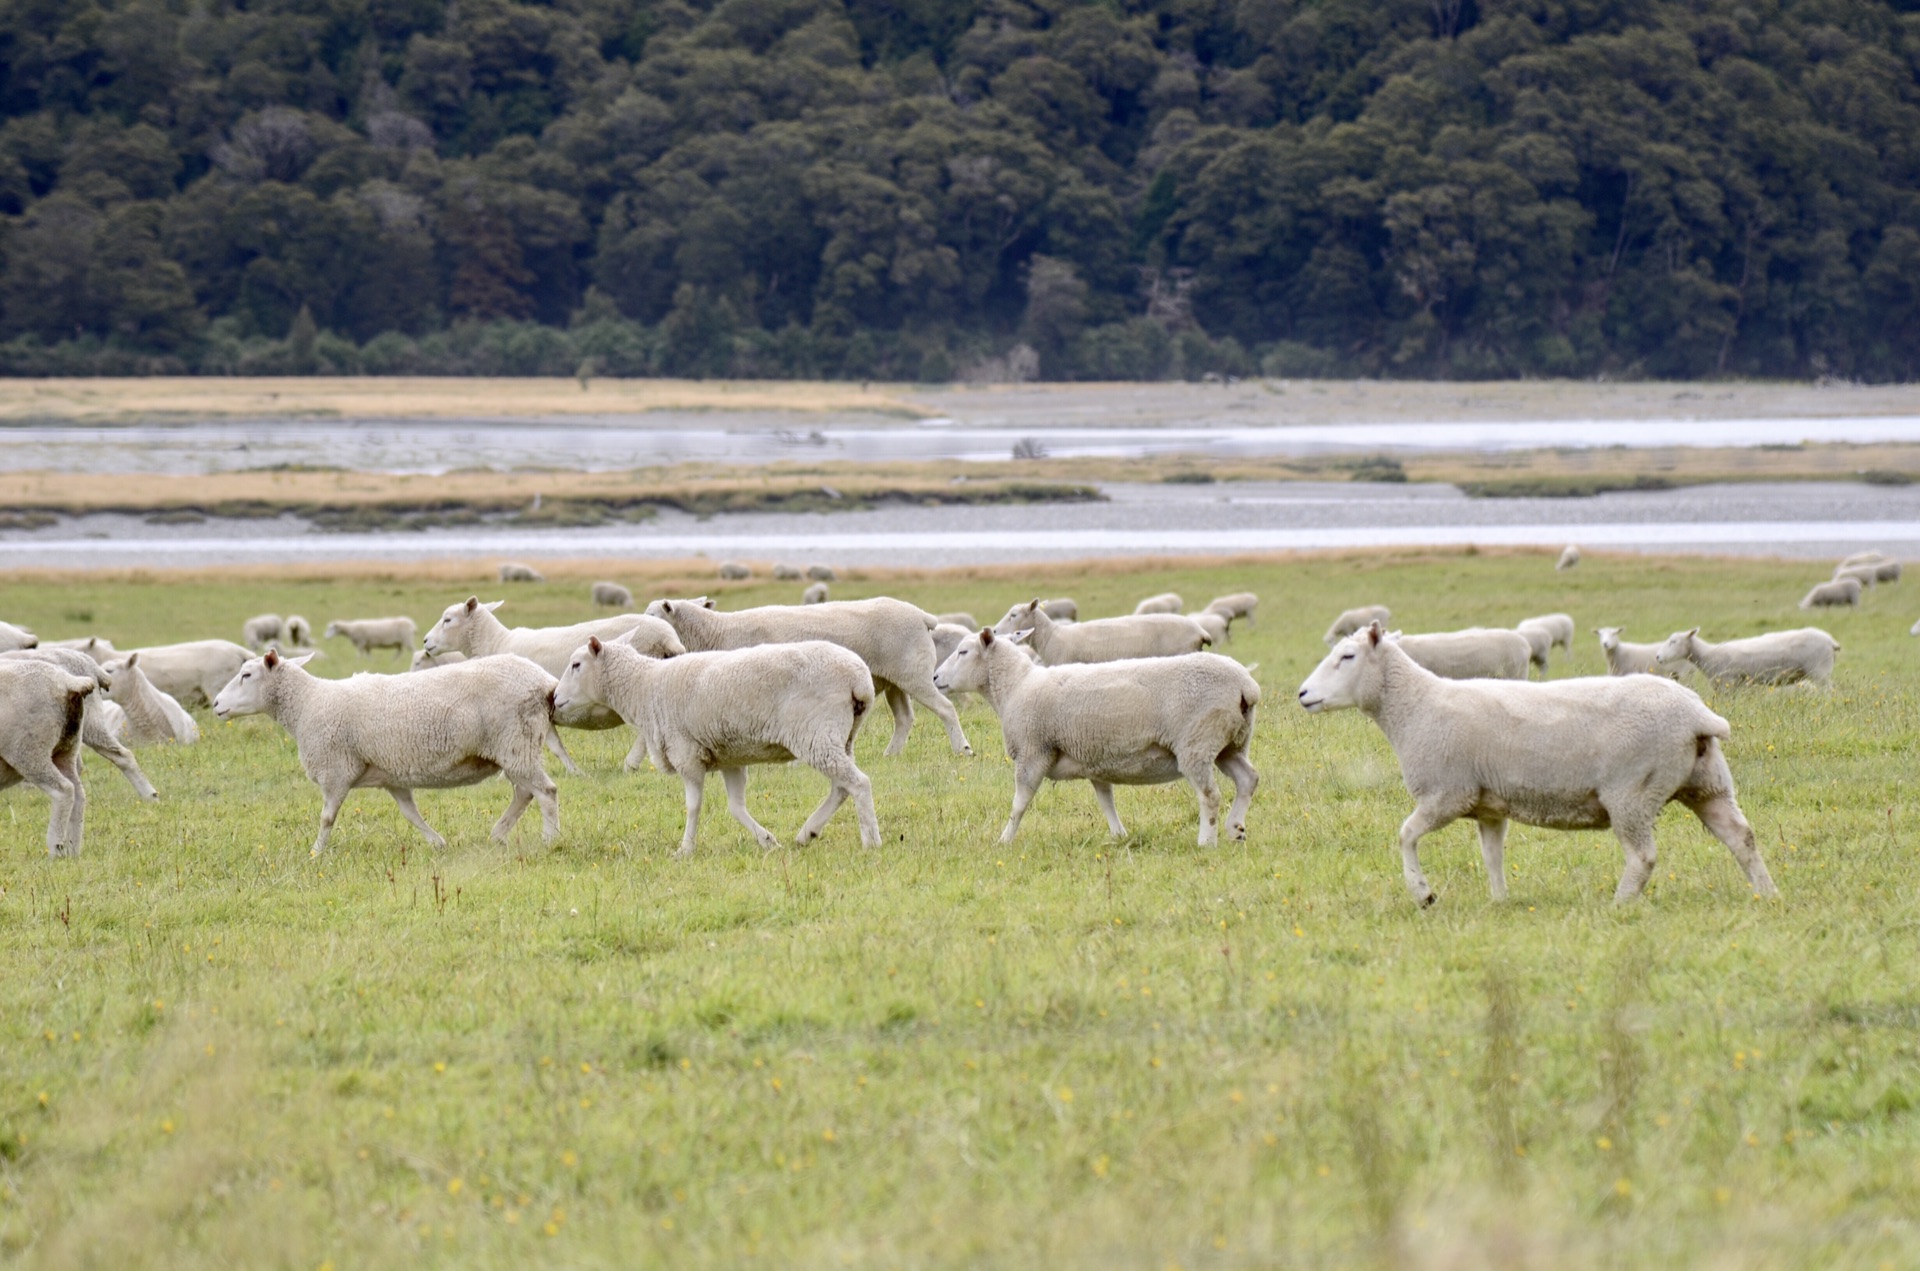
{"points": [[101, 730], [612, 596], [821, 573], [1147, 635], [400, 733], [1165, 602], [894, 639], [1143, 722], [959, 618], [12, 637], [1841, 591], [1779, 657], [151, 715], [770, 703], [1356, 620], [1624, 658], [512, 572], [1060, 609], [1569, 559], [787, 573], [1578, 754], [193, 672], [368, 634], [1474, 653], [1234, 606], [1542, 633], [258, 632], [814, 595], [93, 646], [299, 631], [424, 661], [734, 570], [42, 710]]}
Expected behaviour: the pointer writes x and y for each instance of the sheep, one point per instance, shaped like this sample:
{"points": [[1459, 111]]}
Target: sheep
{"points": [[894, 639], [42, 710], [770, 703], [1863, 558], [1779, 657], [946, 638], [1542, 633], [1165, 602], [12, 637], [93, 646], [368, 634], [513, 572], [151, 715], [1865, 575], [1234, 606], [1569, 559], [191, 673], [1060, 609], [1624, 658], [424, 661], [1355, 620], [816, 594], [101, 730], [1841, 591], [958, 618], [734, 570], [1474, 653], [1146, 635], [400, 733], [1887, 571], [1573, 754], [470, 628], [299, 632], [1914, 630], [787, 573], [612, 596], [822, 573], [260, 631], [1119, 723], [1539, 644], [1214, 624]]}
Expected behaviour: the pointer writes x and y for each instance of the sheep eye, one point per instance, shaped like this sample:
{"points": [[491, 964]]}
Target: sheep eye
{"points": [[1346, 657]]}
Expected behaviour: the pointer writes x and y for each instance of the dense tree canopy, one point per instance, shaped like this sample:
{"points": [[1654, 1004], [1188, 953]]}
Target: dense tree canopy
{"points": [[927, 188]]}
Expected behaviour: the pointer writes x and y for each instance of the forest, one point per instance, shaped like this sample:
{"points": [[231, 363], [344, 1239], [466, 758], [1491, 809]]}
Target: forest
{"points": [[929, 190]]}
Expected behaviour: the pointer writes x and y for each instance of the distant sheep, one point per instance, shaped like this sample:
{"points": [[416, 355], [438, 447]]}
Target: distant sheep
{"points": [[1841, 591], [1141, 635], [735, 571], [1865, 575], [612, 596], [821, 573], [958, 618], [258, 632], [1165, 602], [815, 594], [1214, 624], [1235, 606], [1543, 632], [1355, 620], [512, 572], [1569, 559], [298, 631], [193, 672], [1779, 657], [1887, 571], [1474, 653], [1624, 658], [1863, 558], [787, 573], [368, 634], [471, 628]]}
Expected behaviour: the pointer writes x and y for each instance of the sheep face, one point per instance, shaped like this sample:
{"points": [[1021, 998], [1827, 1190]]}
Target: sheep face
{"points": [[1336, 684], [1018, 618], [965, 670], [1609, 638], [12, 637], [1676, 648], [246, 692], [451, 632], [583, 683]]}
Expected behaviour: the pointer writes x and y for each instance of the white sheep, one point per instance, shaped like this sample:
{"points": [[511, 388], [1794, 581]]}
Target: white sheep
{"points": [[1144, 722], [513, 572], [1235, 606], [1871, 557], [787, 573], [42, 710], [401, 733], [1865, 575], [12, 637], [368, 634], [1841, 591], [471, 628], [1778, 657], [612, 596], [93, 646], [1142, 635], [298, 630], [1165, 602], [1355, 620], [152, 716], [1578, 754], [1214, 624], [424, 661], [1569, 559], [1914, 630], [1473, 653], [771, 703], [260, 631], [821, 573], [815, 594], [1061, 609], [958, 618], [102, 730], [1887, 571], [1542, 633], [734, 570], [894, 639], [1626, 658], [191, 672]]}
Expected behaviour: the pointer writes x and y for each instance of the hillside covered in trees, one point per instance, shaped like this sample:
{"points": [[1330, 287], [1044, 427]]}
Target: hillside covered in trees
{"points": [[924, 189]]}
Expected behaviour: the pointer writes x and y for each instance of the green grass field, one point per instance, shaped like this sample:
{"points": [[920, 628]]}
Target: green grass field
{"points": [[1071, 1052]]}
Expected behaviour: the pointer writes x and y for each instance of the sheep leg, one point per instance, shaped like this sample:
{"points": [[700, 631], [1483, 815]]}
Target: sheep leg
{"points": [[547, 795], [407, 809], [1423, 821], [695, 780], [1636, 842], [902, 707], [69, 767], [116, 753], [1245, 780], [936, 701], [1722, 817], [330, 801], [735, 779], [50, 781], [516, 806], [1103, 795], [1200, 776], [1027, 777], [1493, 851]]}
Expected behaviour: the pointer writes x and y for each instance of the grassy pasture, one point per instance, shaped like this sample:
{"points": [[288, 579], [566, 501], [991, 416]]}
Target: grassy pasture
{"points": [[1073, 1052]]}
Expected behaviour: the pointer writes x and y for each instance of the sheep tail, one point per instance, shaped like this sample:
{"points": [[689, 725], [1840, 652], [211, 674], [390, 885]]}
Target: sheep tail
{"points": [[553, 742]]}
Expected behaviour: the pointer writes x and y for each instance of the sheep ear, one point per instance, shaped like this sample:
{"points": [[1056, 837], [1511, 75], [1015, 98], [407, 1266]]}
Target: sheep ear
{"points": [[1019, 637], [272, 659], [491, 605], [666, 606], [1694, 632], [1034, 603], [133, 659], [593, 645], [1373, 634], [298, 661], [707, 604], [986, 637], [473, 602]]}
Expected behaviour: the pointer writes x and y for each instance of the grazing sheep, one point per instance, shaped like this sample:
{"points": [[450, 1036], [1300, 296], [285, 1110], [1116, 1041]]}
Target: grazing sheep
{"points": [[1841, 591], [771, 703], [93, 646], [1887, 571], [734, 570], [1234, 606], [299, 631], [822, 573], [1356, 620], [612, 596], [894, 639], [151, 715], [1865, 575], [1214, 624], [1140, 635], [1129, 723], [12, 637], [1624, 658], [959, 618], [101, 731], [1543, 633], [193, 672], [1165, 602], [787, 573], [816, 594], [1569, 559], [258, 632], [1864, 558], [424, 661], [470, 628], [401, 733], [512, 572], [42, 710], [1779, 657], [368, 634], [1475, 653], [1578, 754]]}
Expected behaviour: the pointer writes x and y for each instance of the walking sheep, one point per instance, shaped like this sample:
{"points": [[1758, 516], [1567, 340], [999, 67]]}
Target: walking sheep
{"points": [[258, 632], [151, 715], [1144, 635], [1624, 658], [1235, 606], [402, 733], [1355, 620], [1165, 602], [42, 708], [1119, 723], [1475, 653], [470, 628], [192, 672], [771, 703], [368, 634], [512, 572], [612, 596], [894, 639], [1841, 591], [1579, 754], [102, 727], [1779, 657]]}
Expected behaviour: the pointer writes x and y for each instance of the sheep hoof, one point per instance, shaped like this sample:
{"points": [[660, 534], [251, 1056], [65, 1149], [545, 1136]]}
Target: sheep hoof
{"points": [[1426, 902], [683, 854]]}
